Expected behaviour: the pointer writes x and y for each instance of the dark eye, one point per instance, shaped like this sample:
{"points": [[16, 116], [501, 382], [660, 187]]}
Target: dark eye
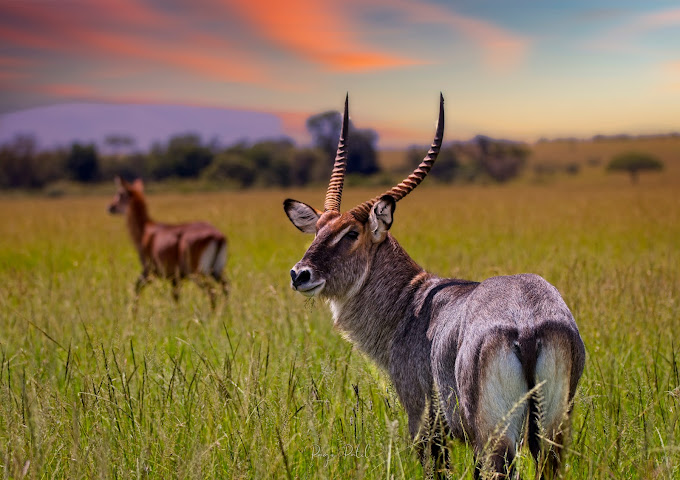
{"points": [[352, 235]]}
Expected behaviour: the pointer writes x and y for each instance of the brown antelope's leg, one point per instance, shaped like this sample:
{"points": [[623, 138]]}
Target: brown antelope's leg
{"points": [[224, 283], [142, 280], [205, 285], [175, 288], [211, 294]]}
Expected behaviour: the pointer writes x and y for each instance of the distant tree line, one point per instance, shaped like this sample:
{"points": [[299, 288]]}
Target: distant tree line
{"points": [[480, 159], [276, 162]]}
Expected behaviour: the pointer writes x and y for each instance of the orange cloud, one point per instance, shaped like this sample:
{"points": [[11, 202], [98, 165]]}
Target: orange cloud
{"points": [[317, 30]]}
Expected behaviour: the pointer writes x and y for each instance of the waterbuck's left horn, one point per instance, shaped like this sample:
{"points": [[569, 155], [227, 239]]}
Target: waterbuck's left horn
{"points": [[398, 192], [334, 192]]}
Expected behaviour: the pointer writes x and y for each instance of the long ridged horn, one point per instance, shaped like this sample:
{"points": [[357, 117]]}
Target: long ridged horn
{"points": [[334, 192], [398, 192]]}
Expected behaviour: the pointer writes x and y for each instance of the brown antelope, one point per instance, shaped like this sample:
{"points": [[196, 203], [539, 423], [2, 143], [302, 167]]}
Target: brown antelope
{"points": [[498, 360], [196, 250]]}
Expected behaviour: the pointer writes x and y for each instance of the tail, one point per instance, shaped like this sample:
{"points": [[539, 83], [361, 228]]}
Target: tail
{"points": [[220, 258], [546, 360], [528, 349]]}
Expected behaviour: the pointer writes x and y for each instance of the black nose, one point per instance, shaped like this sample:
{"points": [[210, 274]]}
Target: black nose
{"points": [[300, 278]]}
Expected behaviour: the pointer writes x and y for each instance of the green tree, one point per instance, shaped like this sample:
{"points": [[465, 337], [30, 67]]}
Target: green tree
{"points": [[183, 156], [231, 167], [118, 143], [23, 166], [272, 160], [501, 160], [309, 165], [445, 169], [634, 163], [325, 130], [82, 162]]}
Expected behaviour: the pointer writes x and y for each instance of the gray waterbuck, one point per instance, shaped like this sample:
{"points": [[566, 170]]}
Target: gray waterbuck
{"points": [[494, 363]]}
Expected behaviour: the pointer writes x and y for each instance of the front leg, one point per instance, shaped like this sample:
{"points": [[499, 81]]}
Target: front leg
{"points": [[425, 422], [175, 288], [430, 441], [141, 282]]}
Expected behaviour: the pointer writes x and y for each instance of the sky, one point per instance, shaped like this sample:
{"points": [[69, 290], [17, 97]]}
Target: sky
{"points": [[522, 69]]}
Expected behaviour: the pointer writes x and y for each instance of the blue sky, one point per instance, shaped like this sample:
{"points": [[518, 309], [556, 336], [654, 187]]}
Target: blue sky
{"points": [[520, 70]]}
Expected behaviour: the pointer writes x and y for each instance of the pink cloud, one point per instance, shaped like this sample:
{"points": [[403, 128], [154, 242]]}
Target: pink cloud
{"points": [[71, 91], [7, 77], [502, 49], [12, 61], [672, 67], [129, 31], [620, 38], [670, 73]]}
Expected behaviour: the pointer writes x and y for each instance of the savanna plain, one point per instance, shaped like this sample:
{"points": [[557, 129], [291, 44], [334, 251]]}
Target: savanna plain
{"points": [[263, 387]]}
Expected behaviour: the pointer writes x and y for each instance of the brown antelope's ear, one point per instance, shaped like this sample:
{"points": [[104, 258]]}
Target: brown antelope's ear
{"points": [[380, 218], [138, 185], [122, 183], [301, 215]]}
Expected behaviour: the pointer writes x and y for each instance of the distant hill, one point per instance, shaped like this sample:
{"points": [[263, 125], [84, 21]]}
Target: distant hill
{"points": [[86, 122]]}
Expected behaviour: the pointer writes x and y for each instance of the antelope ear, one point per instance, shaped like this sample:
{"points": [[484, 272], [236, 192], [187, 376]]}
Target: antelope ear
{"points": [[380, 218], [122, 183], [138, 185], [301, 215]]}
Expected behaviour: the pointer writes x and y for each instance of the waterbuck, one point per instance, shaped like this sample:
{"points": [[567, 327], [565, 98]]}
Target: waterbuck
{"points": [[196, 250], [495, 363]]}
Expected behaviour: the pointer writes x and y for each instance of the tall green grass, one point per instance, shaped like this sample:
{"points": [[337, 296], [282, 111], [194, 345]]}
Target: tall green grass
{"points": [[264, 387]]}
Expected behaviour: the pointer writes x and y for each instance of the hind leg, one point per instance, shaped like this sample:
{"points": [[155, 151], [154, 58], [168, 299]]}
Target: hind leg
{"points": [[497, 462], [549, 458], [207, 286], [223, 282]]}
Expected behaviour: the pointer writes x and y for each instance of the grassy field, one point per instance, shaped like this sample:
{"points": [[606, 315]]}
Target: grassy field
{"points": [[264, 388]]}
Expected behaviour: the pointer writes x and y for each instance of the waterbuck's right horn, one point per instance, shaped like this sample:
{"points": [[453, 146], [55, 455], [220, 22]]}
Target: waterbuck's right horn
{"points": [[398, 192], [334, 192]]}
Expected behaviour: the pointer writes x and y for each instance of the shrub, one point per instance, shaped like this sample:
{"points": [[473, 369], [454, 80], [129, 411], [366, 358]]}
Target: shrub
{"points": [[633, 163]]}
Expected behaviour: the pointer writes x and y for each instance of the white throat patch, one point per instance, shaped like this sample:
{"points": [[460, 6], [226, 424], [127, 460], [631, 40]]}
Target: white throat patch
{"points": [[337, 305]]}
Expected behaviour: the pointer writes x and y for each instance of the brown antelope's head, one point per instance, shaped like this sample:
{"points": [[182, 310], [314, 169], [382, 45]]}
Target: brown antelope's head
{"points": [[339, 259], [124, 191]]}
